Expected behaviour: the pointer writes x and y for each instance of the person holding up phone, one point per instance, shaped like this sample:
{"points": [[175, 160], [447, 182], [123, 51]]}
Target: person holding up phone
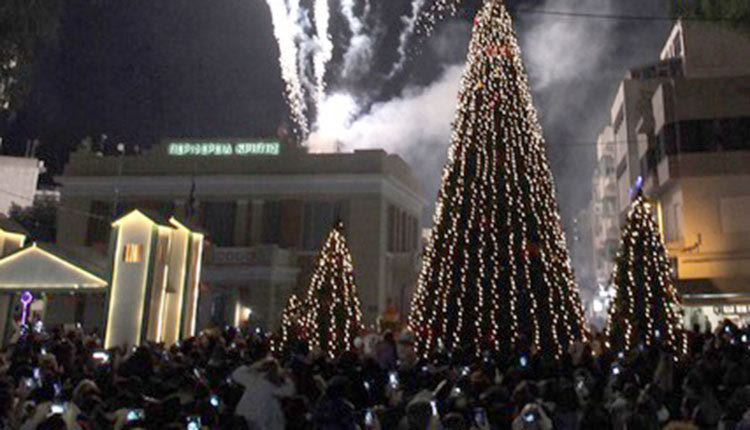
{"points": [[532, 417], [265, 384]]}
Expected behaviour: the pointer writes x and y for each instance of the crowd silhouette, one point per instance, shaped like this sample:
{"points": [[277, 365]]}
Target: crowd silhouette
{"points": [[231, 379]]}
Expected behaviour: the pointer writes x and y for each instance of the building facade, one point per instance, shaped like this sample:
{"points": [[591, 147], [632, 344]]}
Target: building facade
{"points": [[155, 276], [605, 227], [18, 181], [265, 211], [681, 130]]}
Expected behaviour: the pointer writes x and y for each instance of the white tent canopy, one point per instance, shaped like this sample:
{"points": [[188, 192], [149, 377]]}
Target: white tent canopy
{"points": [[34, 268]]}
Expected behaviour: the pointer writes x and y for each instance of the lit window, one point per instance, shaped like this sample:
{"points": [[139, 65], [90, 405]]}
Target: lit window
{"points": [[133, 253]]}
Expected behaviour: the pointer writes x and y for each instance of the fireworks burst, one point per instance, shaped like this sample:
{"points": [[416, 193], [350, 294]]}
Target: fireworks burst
{"points": [[286, 31], [306, 48], [324, 52]]}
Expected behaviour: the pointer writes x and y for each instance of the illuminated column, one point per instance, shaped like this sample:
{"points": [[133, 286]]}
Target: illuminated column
{"points": [[240, 223], [177, 277], [26, 299], [9, 242], [131, 258], [192, 286], [157, 292]]}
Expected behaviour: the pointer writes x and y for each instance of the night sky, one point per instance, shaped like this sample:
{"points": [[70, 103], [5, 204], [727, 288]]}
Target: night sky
{"points": [[177, 68], [181, 68], [140, 71]]}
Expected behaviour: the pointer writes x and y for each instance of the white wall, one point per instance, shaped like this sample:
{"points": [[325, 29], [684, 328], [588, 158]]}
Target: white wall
{"points": [[127, 294], [18, 179]]}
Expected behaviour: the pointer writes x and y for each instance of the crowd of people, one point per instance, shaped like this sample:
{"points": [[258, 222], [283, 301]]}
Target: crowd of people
{"points": [[230, 379]]}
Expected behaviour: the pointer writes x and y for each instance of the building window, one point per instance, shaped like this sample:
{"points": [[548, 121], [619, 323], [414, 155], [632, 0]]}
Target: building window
{"points": [[619, 118], [218, 220], [622, 167], [609, 207], [404, 232], [219, 314], [402, 229], [415, 233], [672, 222], [271, 230], [97, 230], [704, 136], [317, 221], [606, 166], [666, 222], [133, 253], [391, 228], [733, 214], [394, 218], [677, 221]]}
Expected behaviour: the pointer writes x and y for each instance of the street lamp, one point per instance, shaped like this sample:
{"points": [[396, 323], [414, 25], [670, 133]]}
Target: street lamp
{"points": [[26, 299]]}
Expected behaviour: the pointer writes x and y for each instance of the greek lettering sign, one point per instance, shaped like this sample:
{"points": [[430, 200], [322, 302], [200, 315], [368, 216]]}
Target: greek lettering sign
{"points": [[205, 149]]}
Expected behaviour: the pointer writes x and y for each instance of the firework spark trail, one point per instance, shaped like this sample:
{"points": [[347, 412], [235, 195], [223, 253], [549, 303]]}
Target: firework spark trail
{"points": [[439, 10], [359, 52], [324, 52], [405, 36], [306, 48], [423, 20], [285, 30]]}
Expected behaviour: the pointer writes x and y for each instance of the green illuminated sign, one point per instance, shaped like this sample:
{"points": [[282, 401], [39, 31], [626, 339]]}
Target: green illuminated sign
{"points": [[223, 148]]}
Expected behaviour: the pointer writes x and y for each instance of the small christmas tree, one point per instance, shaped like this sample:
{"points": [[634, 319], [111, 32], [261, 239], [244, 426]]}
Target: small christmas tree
{"points": [[332, 309], [496, 273], [646, 308], [290, 322]]}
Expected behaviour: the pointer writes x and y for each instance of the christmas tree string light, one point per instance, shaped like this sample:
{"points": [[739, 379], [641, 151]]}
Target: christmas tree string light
{"points": [[332, 316], [290, 322], [496, 273], [646, 308]]}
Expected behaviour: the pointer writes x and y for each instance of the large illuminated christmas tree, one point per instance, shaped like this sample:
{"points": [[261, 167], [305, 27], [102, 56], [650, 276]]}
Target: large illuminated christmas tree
{"points": [[333, 316], [496, 273], [646, 307]]}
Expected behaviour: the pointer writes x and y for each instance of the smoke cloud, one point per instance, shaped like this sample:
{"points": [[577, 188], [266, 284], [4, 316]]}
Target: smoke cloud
{"points": [[358, 56], [561, 49], [575, 65], [419, 116]]}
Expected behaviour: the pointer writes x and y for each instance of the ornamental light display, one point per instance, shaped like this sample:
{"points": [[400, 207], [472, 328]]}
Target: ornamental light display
{"points": [[496, 273], [333, 316], [646, 308], [290, 321]]}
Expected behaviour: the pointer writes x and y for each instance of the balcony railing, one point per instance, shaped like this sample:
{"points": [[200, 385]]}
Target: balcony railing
{"points": [[265, 255]]}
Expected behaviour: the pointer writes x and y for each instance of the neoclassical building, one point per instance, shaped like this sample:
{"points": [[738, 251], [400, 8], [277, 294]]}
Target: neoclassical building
{"points": [[265, 210]]}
